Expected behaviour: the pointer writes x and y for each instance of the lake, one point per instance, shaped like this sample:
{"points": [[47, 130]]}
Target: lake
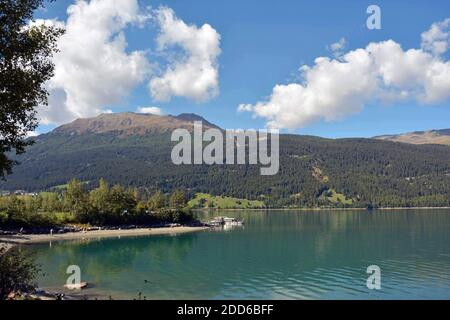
{"points": [[275, 255]]}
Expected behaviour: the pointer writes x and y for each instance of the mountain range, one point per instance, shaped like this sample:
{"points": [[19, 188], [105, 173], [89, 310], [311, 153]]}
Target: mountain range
{"points": [[420, 137], [129, 123], [134, 149]]}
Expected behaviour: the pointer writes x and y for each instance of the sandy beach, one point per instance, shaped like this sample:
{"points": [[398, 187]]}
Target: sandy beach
{"points": [[11, 240]]}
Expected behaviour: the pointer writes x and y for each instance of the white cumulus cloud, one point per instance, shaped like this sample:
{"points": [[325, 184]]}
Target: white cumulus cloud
{"points": [[93, 68], [338, 47], [334, 88], [196, 74], [436, 39], [150, 110]]}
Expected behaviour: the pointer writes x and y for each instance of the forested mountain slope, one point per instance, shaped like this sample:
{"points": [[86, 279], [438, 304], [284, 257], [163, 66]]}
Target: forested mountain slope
{"points": [[134, 149]]}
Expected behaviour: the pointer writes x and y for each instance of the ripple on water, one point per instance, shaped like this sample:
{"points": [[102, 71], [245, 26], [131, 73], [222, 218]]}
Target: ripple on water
{"points": [[289, 255]]}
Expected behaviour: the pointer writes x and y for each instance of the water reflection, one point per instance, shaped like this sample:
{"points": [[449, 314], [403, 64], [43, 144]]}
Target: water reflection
{"points": [[277, 254]]}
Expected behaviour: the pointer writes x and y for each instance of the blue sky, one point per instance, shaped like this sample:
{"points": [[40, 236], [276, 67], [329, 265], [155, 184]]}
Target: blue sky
{"points": [[263, 43]]}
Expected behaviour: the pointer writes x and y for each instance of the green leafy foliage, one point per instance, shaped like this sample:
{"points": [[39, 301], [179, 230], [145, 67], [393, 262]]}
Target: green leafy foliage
{"points": [[25, 65], [17, 272], [101, 206]]}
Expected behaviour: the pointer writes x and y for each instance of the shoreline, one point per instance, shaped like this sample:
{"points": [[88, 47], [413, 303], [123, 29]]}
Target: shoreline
{"points": [[8, 241], [319, 209]]}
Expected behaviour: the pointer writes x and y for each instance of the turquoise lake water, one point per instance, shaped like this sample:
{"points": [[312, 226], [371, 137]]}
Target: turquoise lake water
{"points": [[275, 255]]}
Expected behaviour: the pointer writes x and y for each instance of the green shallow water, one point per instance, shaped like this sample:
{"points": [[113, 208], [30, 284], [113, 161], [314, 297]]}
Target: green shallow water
{"points": [[276, 255]]}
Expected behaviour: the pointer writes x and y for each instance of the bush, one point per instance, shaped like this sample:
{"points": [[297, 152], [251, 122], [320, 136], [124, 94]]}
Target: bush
{"points": [[102, 206], [3, 218], [17, 272]]}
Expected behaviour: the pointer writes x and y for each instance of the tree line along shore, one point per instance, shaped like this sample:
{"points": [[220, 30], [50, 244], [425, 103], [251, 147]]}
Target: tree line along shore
{"points": [[78, 208], [75, 208]]}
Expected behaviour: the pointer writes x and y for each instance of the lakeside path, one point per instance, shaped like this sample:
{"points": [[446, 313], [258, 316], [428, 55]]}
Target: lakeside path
{"points": [[11, 240]]}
